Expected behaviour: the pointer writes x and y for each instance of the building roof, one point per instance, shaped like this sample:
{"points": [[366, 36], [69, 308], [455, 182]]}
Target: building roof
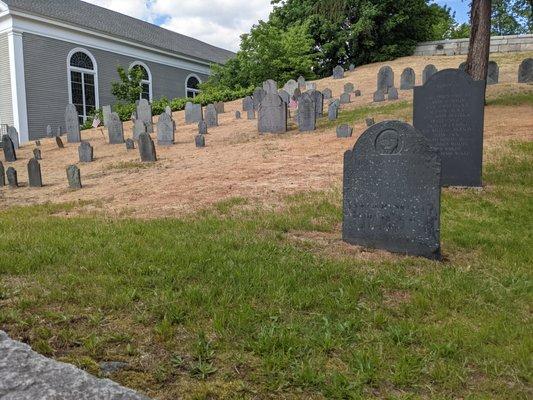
{"points": [[102, 20]]}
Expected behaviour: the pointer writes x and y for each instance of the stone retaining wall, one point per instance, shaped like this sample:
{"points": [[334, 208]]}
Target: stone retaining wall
{"points": [[498, 44]]}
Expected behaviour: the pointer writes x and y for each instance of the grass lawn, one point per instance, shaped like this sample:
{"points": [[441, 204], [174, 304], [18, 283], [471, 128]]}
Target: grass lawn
{"points": [[241, 302]]}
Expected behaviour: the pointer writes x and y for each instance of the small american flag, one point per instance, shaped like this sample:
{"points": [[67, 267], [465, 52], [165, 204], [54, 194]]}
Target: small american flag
{"points": [[96, 122]]}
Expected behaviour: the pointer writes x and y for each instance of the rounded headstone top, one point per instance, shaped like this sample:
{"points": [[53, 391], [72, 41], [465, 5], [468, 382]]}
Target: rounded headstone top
{"points": [[447, 74]]}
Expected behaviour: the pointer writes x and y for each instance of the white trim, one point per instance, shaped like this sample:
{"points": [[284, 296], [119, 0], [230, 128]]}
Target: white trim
{"points": [[195, 91], [93, 71], [18, 85], [149, 81]]}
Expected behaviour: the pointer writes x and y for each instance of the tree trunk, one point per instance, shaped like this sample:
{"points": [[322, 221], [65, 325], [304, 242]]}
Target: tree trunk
{"points": [[477, 62]]}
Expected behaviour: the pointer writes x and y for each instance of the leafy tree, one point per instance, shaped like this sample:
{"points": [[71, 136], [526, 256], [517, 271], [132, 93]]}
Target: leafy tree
{"points": [[129, 88], [511, 17]]}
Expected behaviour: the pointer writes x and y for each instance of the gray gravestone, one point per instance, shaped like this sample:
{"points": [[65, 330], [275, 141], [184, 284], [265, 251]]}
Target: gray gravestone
{"points": [[345, 98], [237, 114], [10, 154], [168, 110], [306, 113], [202, 127], [59, 142], [378, 96], [106, 110], [407, 79], [272, 114], [247, 103], [85, 152], [310, 86], [385, 79], [428, 72], [284, 96], [327, 94], [12, 179], [392, 191], [144, 113], [73, 177], [369, 122], [462, 66], [130, 144], [349, 87], [344, 131], [351, 67], [146, 148], [357, 93], [250, 114], [525, 71], [115, 129], [49, 131], [393, 93], [318, 99], [165, 130], [270, 86], [258, 96], [493, 73], [448, 110], [333, 111], [37, 154], [290, 86], [34, 173], [219, 106], [211, 115], [72, 124], [301, 82], [338, 72], [2, 175], [193, 113], [138, 128], [199, 140], [14, 135]]}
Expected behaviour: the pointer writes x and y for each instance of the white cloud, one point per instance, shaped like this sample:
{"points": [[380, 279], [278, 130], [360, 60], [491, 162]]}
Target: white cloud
{"points": [[218, 22]]}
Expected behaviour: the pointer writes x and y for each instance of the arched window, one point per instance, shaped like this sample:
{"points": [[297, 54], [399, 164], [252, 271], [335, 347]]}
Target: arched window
{"points": [[146, 82], [192, 86], [83, 82]]}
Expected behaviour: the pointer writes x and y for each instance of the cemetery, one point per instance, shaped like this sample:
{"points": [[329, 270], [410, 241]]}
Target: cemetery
{"points": [[380, 228]]}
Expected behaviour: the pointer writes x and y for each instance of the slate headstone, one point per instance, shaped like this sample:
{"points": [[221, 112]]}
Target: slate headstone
{"points": [[385, 79], [193, 113], [318, 99], [247, 103], [72, 124], [211, 115], [428, 72], [138, 128], [306, 113], [338, 72], [106, 110], [393, 94], [525, 71], [344, 131], [168, 110], [59, 142], [37, 154], [349, 87], [202, 127], [146, 148], [448, 110], [333, 111], [351, 67], [115, 129], [391, 191], [34, 173], [250, 114], [310, 86], [10, 154], [14, 135], [290, 86], [12, 178], [49, 132], [327, 94], [407, 79], [85, 152], [462, 66], [284, 96], [258, 96], [237, 114], [199, 140], [378, 96], [369, 122], [345, 98], [301, 82], [130, 144], [165, 130], [219, 106], [144, 113], [493, 73], [270, 86], [272, 114], [297, 94], [73, 177], [2, 175]]}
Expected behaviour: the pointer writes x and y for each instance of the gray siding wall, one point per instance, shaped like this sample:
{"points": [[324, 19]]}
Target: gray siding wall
{"points": [[45, 65], [6, 106]]}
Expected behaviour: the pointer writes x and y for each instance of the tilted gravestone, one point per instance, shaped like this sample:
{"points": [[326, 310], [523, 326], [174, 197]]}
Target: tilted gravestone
{"points": [[199, 140], [344, 131], [247, 103], [237, 114], [193, 113], [144, 113], [106, 110], [493, 73], [138, 128], [72, 124], [165, 130], [525, 71], [345, 98], [448, 110], [306, 113], [333, 111], [284, 96], [34, 173], [349, 87], [10, 154], [327, 94], [202, 127], [318, 99], [211, 115], [12, 178], [73, 177], [407, 79], [130, 144], [369, 122], [37, 154], [270, 86], [49, 132], [393, 94], [59, 142], [14, 135], [378, 96], [290, 86], [391, 191], [219, 106], [272, 114], [115, 129], [85, 152], [428, 72], [338, 72], [385, 79], [2, 175], [250, 114], [146, 148]]}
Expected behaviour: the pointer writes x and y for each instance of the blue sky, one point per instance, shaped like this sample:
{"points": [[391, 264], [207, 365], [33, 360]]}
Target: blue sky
{"points": [[461, 8]]}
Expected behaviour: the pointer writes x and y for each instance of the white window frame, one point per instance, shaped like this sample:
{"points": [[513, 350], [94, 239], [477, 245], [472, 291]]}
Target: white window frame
{"points": [[93, 71], [187, 89], [144, 81]]}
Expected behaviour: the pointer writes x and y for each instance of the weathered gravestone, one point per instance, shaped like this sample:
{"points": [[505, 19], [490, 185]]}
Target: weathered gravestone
{"points": [[349, 87], [270, 86], [2, 175], [393, 94], [14, 135], [34, 173], [138, 128], [272, 114], [351, 67], [297, 94], [378, 96], [12, 178], [338, 72], [310, 86], [130, 144], [211, 115], [448, 111], [115, 129], [202, 127], [333, 110], [493, 73], [327, 94], [146, 148], [250, 114], [193, 113], [106, 110], [247, 103], [385, 79], [369, 122], [306, 113], [165, 130], [318, 99], [72, 124], [290, 86], [59, 142], [237, 114], [407, 79], [391, 191], [258, 96], [9, 149], [199, 140], [168, 110], [525, 71], [284, 96], [144, 113], [344, 131], [73, 177], [49, 132], [428, 72], [345, 98], [301, 82], [85, 152], [37, 154], [219, 106]]}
